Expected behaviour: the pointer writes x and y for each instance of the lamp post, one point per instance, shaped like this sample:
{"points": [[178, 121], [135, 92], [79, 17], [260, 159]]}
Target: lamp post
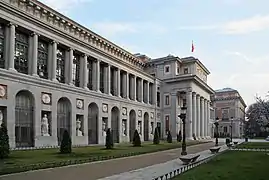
{"points": [[246, 128], [183, 117], [217, 131], [231, 128]]}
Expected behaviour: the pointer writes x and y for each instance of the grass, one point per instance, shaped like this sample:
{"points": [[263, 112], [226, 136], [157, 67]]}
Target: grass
{"points": [[231, 165], [44, 158], [254, 145]]}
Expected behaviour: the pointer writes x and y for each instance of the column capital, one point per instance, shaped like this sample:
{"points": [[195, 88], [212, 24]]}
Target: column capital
{"points": [[34, 34], [189, 90], [12, 24], [53, 42], [85, 55], [194, 94], [71, 49], [173, 93]]}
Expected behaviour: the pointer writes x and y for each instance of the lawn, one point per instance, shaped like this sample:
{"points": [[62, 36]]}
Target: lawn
{"points": [[45, 158], [232, 165], [254, 145]]}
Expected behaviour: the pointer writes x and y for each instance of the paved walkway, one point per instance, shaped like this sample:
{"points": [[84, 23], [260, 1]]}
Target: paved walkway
{"points": [[96, 170]]}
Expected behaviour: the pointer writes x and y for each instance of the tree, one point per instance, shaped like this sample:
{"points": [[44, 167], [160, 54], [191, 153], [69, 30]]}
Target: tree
{"points": [[66, 144], [179, 136], [109, 139], [169, 137], [4, 142], [156, 139], [136, 139]]}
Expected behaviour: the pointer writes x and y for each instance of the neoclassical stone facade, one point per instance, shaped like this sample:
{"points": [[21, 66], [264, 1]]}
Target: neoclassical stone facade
{"points": [[57, 75]]}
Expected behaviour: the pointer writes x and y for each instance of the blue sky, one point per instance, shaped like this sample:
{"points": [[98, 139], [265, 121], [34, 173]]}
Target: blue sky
{"points": [[230, 36]]}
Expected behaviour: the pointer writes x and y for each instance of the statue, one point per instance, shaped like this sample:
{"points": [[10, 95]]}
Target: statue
{"points": [[123, 128], [1, 117], [79, 132], [151, 128], [45, 126], [139, 127], [104, 128]]}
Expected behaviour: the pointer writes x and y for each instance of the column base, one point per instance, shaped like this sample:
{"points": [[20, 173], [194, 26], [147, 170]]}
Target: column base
{"points": [[86, 88], [35, 75], [12, 69], [55, 80], [98, 91]]}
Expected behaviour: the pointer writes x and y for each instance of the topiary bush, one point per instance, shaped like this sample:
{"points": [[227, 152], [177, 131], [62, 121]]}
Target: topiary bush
{"points": [[66, 144], [136, 139], [169, 137], [4, 142], [179, 136], [156, 139], [109, 139]]}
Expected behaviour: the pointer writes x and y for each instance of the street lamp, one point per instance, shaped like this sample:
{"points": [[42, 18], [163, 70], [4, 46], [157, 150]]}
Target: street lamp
{"points": [[183, 117], [231, 128], [246, 128], [217, 131]]}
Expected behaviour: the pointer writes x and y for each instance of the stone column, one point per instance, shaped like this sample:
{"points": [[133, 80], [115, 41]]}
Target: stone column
{"points": [[189, 114], [106, 90], [173, 121], [205, 115], [142, 90], [109, 79], [98, 75], [53, 61], [84, 72], [198, 116], [11, 48], [154, 93], [35, 54], [134, 83], [118, 82], [208, 114], [70, 66], [6, 44], [148, 92], [127, 85], [194, 113], [202, 118]]}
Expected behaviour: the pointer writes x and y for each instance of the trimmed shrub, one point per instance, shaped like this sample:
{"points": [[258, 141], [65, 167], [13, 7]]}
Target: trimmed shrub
{"points": [[169, 137], [136, 139], [179, 136], [109, 139], [4, 142], [66, 144], [228, 141], [156, 139]]}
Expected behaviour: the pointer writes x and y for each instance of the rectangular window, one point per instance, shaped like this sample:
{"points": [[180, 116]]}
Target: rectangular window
{"points": [[75, 70], [225, 114], [186, 71], [21, 53], [158, 99], [60, 68], [166, 69], [167, 100], [42, 59], [2, 45], [225, 129]]}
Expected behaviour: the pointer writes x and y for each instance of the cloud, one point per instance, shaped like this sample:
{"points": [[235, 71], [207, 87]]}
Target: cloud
{"points": [[114, 28], [239, 54], [63, 5], [235, 27]]}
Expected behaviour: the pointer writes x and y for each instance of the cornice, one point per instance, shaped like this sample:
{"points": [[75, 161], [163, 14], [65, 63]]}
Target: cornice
{"points": [[49, 16]]}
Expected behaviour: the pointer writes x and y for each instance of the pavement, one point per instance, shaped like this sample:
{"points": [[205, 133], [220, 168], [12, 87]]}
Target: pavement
{"points": [[102, 169]]}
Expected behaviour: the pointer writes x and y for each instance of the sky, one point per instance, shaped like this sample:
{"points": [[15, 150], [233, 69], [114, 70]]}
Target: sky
{"points": [[230, 36]]}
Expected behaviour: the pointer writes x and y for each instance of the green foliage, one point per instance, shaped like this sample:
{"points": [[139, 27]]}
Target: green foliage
{"points": [[156, 139], [179, 136], [66, 144], [169, 137], [136, 139], [228, 141], [109, 139], [4, 142]]}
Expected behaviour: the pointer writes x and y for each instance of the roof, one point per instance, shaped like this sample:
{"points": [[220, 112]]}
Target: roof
{"points": [[225, 90]]}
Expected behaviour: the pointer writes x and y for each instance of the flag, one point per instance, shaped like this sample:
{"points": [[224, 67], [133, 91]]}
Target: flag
{"points": [[192, 47]]}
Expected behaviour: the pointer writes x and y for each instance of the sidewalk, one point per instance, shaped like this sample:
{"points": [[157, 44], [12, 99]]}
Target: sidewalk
{"points": [[103, 169]]}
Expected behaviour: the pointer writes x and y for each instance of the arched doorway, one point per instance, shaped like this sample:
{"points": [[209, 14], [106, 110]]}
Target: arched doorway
{"points": [[115, 119], [146, 126], [93, 124], [24, 119], [132, 124], [63, 118]]}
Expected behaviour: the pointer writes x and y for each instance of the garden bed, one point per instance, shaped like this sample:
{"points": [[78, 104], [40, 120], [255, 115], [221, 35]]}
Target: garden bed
{"points": [[253, 145]]}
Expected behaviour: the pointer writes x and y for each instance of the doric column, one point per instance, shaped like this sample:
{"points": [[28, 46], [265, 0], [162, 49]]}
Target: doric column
{"points": [[173, 118], [53, 61], [142, 90], [194, 113], [127, 85], [198, 116], [6, 44], [118, 82], [70, 63], [154, 93], [35, 53], [208, 115], [84, 72], [189, 114], [98, 75], [134, 83], [202, 118], [109, 79], [148, 92], [12, 36], [205, 115]]}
